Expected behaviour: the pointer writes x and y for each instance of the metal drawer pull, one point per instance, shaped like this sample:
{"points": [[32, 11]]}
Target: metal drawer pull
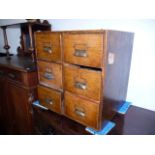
{"points": [[49, 101], [81, 53], [80, 85], [47, 49], [80, 113], [12, 76], [48, 76]]}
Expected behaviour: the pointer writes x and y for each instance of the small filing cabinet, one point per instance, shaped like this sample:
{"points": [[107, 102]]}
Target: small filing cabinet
{"points": [[83, 75]]}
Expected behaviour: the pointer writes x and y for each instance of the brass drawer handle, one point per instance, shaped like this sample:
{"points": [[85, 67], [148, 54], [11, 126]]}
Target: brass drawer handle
{"points": [[81, 53], [12, 76], [80, 113], [49, 101], [48, 76], [47, 49], [80, 85]]}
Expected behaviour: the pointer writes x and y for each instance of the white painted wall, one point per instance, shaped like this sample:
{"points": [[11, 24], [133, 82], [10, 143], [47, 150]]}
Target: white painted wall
{"points": [[13, 34], [141, 89]]}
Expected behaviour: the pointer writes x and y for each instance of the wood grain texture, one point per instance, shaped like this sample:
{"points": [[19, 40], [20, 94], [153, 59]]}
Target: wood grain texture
{"points": [[90, 78], [137, 121], [91, 43], [3, 108], [18, 87], [18, 108], [51, 69], [48, 46], [50, 98], [48, 122], [117, 74], [81, 110], [95, 69], [27, 79], [23, 64], [30, 80]]}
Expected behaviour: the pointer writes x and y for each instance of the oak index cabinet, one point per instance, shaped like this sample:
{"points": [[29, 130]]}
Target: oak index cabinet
{"points": [[83, 75]]}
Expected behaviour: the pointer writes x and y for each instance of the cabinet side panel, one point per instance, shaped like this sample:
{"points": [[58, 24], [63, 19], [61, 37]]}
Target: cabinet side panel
{"points": [[118, 60]]}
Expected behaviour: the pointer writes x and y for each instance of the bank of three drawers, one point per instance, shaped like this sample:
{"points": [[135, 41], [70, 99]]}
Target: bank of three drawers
{"points": [[72, 68]]}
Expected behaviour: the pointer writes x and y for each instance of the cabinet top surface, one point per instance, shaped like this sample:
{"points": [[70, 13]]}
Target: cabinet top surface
{"points": [[100, 31], [23, 64]]}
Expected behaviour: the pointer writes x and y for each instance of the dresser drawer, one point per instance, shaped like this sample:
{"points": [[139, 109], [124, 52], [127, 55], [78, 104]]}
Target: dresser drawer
{"points": [[83, 49], [50, 98], [50, 74], [15, 76], [48, 46], [83, 82], [82, 111]]}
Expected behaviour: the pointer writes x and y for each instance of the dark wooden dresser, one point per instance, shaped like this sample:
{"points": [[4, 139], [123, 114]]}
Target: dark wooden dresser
{"points": [[18, 81], [83, 75]]}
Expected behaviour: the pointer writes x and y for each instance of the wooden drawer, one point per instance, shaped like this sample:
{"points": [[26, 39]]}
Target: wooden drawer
{"points": [[50, 98], [81, 110], [15, 76], [50, 74], [83, 82], [48, 46], [83, 49]]}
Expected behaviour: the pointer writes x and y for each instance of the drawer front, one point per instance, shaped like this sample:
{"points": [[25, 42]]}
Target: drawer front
{"points": [[83, 82], [83, 49], [82, 111], [50, 98], [16, 76], [48, 46], [50, 74]]}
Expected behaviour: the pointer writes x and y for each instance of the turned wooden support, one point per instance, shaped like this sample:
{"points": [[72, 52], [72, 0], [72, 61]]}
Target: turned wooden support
{"points": [[31, 48], [6, 46]]}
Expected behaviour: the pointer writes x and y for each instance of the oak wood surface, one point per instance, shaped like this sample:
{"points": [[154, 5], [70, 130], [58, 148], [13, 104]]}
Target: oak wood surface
{"points": [[54, 71], [48, 46], [95, 68], [81, 110], [91, 79], [50, 98], [92, 44]]}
